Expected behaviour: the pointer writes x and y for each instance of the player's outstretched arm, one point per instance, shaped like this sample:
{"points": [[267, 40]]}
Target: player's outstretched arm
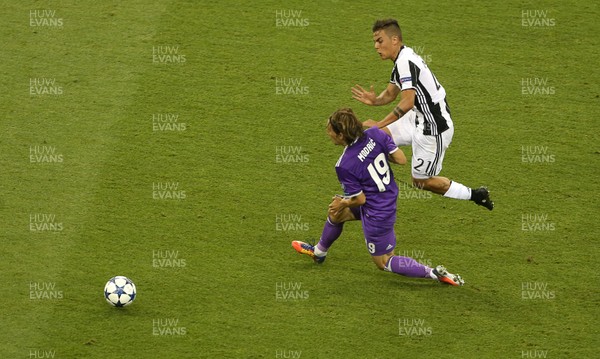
{"points": [[369, 98], [398, 157], [407, 102]]}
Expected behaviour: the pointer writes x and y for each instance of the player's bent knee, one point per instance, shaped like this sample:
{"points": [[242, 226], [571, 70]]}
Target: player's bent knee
{"points": [[336, 218], [380, 261], [341, 217]]}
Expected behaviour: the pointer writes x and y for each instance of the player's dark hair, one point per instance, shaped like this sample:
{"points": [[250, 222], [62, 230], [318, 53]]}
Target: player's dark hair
{"points": [[344, 121], [390, 26]]}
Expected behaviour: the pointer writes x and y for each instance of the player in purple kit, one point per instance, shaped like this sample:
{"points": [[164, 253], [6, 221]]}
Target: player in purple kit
{"points": [[370, 195]]}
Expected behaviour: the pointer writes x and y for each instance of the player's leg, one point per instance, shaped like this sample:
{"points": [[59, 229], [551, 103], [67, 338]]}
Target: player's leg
{"points": [[427, 159], [435, 184], [425, 151], [402, 130], [381, 243], [402, 265], [332, 230], [405, 266]]}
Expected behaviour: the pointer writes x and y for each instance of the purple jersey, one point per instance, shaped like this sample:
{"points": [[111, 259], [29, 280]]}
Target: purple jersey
{"points": [[364, 167]]}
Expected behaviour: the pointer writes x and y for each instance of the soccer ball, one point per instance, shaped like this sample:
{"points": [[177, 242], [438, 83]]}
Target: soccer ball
{"points": [[119, 291]]}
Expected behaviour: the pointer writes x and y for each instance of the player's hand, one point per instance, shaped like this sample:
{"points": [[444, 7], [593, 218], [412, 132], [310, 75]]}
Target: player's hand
{"points": [[370, 123], [364, 96], [336, 206]]}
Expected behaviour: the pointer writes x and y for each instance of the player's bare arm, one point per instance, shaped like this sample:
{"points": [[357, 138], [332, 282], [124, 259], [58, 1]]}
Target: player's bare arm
{"points": [[397, 157], [369, 98], [407, 102]]}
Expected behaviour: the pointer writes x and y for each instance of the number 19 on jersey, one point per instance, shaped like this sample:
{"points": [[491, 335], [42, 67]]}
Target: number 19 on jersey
{"points": [[380, 172]]}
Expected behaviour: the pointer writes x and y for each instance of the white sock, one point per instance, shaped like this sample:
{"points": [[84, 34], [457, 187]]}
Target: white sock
{"points": [[318, 252], [458, 191], [433, 276]]}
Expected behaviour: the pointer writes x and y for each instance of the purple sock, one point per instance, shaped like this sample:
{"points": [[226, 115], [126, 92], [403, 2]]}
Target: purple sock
{"points": [[408, 267], [331, 232]]}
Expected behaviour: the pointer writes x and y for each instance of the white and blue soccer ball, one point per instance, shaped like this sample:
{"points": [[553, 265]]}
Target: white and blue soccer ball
{"points": [[119, 291]]}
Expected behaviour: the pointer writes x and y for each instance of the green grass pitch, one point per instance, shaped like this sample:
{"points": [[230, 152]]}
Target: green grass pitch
{"points": [[182, 144]]}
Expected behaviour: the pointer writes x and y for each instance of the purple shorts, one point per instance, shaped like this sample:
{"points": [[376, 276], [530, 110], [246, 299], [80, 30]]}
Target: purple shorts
{"points": [[379, 236]]}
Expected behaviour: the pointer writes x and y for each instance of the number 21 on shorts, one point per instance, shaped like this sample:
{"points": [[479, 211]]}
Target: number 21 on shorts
{"points": [[421, 163]]}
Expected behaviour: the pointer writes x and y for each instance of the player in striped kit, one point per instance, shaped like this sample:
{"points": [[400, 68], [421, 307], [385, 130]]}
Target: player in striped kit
{"points": [[370, 195], [421, 118]]}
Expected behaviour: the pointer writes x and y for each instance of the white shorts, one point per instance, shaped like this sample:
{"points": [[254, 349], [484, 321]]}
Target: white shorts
{"points": [[427, 151]]}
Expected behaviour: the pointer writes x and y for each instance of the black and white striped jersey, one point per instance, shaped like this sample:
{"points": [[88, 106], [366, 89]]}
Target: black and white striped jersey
{"points": [[411, 72]]}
